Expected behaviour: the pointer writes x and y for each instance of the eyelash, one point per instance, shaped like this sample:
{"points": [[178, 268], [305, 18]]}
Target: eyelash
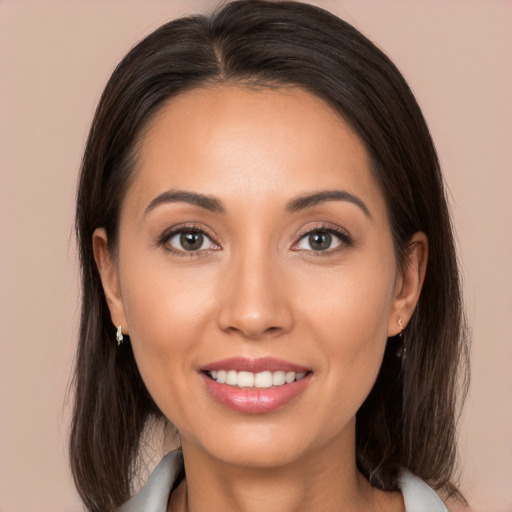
{"points": [[344, 238], [164, 239]]}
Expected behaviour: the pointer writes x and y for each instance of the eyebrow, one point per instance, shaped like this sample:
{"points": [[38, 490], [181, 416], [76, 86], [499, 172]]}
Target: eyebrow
{"points": [[209, 203], [215, 205], [323, 196]]}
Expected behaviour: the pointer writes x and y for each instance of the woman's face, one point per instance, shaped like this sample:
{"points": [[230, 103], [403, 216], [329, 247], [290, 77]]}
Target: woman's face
{"points": [[255, 246]]}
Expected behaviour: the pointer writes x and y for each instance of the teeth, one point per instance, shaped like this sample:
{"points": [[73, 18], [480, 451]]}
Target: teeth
{"points": [[263, 380], [278, 378], [232, 378], [260, 380], [289, 377], [245, 380]]}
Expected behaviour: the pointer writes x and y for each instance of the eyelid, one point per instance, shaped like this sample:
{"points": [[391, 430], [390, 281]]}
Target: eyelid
{"points": [[343, 236], [168, 234]]}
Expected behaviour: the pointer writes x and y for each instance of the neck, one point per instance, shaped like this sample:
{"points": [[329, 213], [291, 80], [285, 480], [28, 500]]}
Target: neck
{"points": [[326, 479]]}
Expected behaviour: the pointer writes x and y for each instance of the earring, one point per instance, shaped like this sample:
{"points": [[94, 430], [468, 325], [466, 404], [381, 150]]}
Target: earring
{"points": [[401, 325], [401, 348], [119, 336]]}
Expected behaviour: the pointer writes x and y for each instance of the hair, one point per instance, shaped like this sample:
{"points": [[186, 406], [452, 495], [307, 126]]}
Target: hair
{"points": [[409, 418]]}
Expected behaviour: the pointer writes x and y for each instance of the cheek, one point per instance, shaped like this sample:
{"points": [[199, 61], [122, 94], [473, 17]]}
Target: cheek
{"points": [[354, 302], [166, 312], [350, 323], [160, 298]]}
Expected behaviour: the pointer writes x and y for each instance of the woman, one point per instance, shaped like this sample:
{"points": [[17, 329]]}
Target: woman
{"points": [[268, 264]]}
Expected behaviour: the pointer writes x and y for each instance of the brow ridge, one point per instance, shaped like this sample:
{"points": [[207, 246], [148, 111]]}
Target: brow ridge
{"points": [[209, 203], [310, 200], [215, 205]]}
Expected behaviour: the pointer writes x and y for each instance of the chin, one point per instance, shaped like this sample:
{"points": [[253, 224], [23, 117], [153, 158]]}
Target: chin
{"points": [[266, 446], [258, 456]]}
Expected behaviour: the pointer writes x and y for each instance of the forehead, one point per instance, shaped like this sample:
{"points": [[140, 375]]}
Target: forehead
{"points": [[251, 144]]}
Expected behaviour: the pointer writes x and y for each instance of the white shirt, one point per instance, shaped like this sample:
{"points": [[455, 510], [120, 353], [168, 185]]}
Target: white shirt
{"points": [[154, 496]]}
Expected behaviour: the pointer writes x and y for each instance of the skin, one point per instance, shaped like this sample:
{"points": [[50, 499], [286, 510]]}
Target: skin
{"points": [[258, 289]]}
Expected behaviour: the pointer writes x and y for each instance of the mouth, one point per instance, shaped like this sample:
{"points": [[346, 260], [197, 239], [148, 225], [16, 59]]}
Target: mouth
{"points": [[255, 385], [260, 380]]}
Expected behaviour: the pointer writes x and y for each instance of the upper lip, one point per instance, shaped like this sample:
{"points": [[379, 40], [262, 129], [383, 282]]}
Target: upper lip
{"points": [[257, 365]]}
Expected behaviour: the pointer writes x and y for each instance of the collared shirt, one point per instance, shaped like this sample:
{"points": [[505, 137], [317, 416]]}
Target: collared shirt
{"points": [[154, 495]]}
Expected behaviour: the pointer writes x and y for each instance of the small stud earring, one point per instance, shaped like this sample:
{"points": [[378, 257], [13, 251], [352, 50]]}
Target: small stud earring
{"points": [[119, 336], [401, 325], [402, 347]]}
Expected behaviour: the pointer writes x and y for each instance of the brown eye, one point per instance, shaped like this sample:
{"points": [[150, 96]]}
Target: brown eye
{"points": [[320, 241], [190, 240]]}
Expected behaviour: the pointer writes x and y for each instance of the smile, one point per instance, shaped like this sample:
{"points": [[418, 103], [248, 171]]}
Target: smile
{"points": [[260, 380], [255, 386]]}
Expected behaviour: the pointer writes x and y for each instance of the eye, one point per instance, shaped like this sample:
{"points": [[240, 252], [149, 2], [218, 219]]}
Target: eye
{"points": [[318, 241], [189, 240], [322, 240]]}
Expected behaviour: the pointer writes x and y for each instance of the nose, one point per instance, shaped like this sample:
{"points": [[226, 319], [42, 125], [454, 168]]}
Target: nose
{"points": [[254, 299]]}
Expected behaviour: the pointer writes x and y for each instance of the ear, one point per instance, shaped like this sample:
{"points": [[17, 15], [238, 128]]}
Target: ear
{"points": [[409, 283], [109, 278]]}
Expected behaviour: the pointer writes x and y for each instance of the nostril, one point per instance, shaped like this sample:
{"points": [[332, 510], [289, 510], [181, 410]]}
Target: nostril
{"points": [[253, 316], [254, 333]]}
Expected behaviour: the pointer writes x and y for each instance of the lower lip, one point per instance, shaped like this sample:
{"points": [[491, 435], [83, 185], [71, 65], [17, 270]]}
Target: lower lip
{"points": [[255, 400]]}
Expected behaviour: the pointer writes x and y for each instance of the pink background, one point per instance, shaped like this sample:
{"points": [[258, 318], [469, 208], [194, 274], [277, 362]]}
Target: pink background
{"points": [[55, 57]]}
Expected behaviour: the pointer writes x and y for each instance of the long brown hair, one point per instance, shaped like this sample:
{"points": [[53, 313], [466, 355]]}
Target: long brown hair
{"points": [[409, 418]]}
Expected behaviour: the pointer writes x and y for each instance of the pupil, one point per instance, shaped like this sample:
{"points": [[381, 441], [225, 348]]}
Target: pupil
{"points": [[320, 241], [191, 240]]}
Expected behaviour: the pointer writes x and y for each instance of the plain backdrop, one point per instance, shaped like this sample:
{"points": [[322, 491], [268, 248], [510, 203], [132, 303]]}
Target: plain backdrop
{"points": [[55, 58]]}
